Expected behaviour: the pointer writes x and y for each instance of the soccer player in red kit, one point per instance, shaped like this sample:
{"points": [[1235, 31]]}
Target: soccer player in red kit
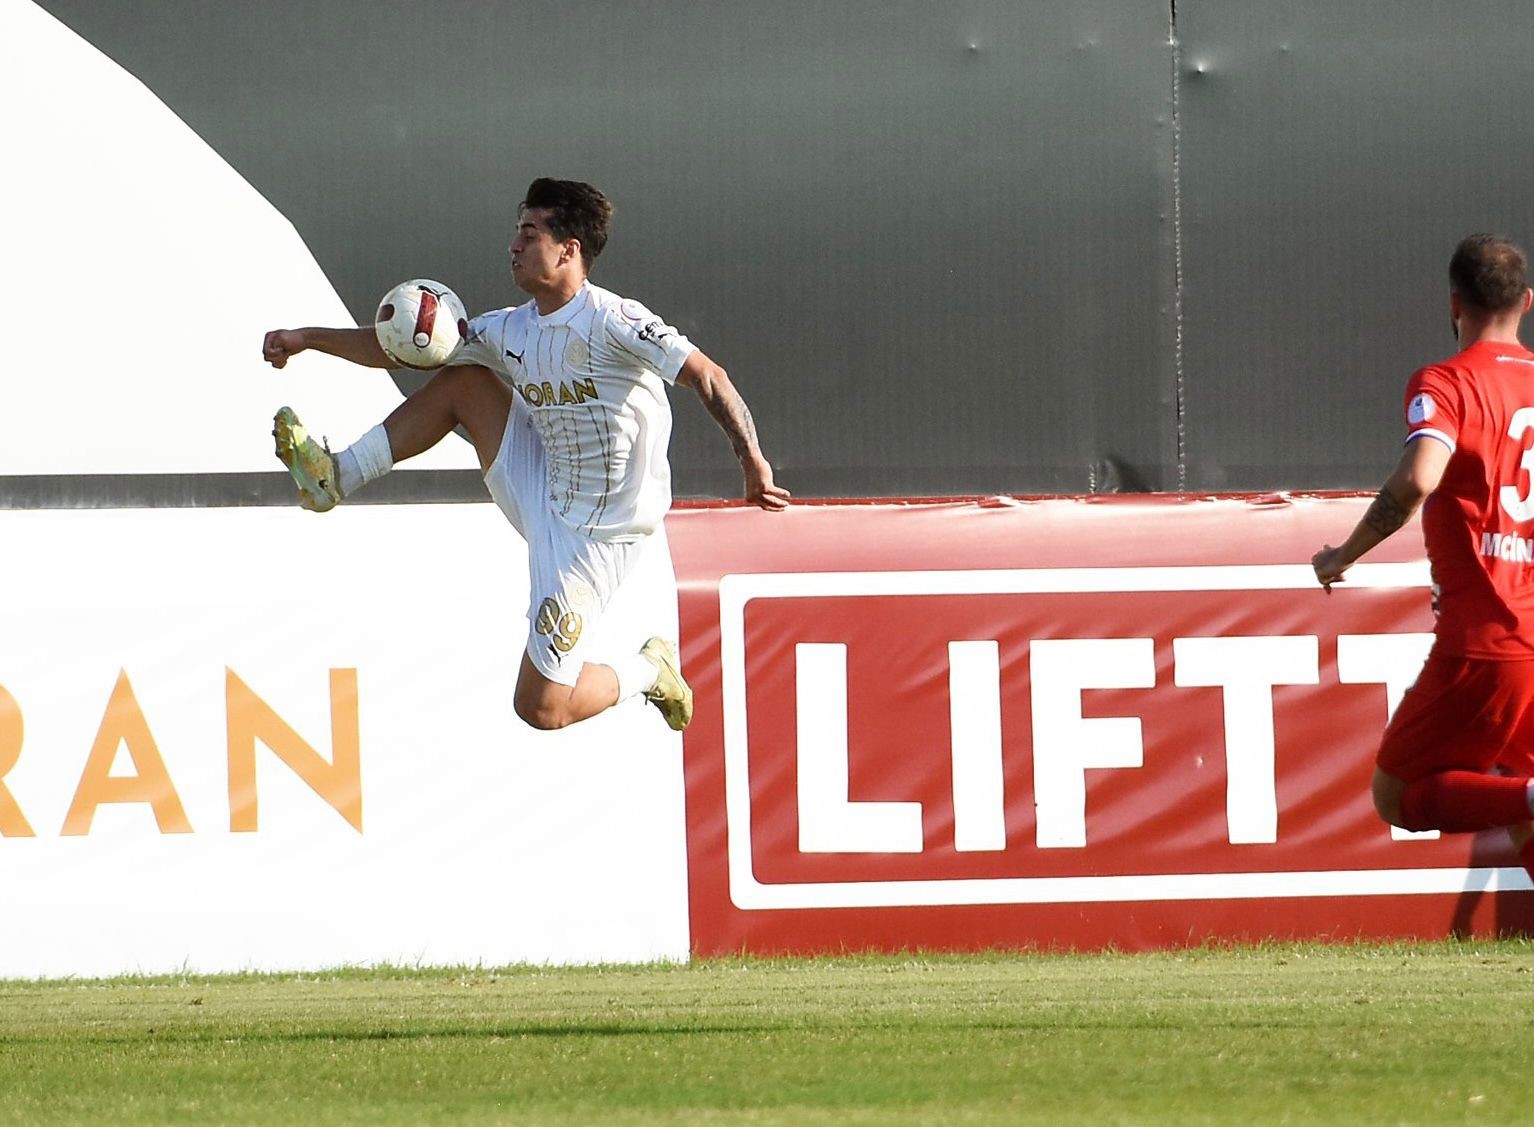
{"points": [[1458, 754]]}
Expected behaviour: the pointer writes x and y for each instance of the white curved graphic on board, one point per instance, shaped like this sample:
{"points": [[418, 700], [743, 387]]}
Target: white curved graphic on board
{"points": [[142, 272]]}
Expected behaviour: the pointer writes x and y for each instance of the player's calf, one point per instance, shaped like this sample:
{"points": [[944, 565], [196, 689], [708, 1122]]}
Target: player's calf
{"points": [[653, 672], [1465, 802], [549, 705]]}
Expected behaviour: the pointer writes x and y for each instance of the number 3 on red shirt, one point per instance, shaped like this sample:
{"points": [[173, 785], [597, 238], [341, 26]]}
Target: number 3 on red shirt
{"points": [[1520, 506]]}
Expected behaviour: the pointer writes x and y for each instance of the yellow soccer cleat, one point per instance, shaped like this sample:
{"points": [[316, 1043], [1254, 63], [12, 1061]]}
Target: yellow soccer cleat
{"points": [[310, 462], [670, 694]]}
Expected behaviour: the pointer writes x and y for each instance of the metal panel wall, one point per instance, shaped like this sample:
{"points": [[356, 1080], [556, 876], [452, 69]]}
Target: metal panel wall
{"points": [[995, 247], [1331, 157], [929, 241]]}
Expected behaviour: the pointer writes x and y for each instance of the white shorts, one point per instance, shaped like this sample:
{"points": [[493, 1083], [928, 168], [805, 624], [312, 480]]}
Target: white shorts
{"points": [[572, 579]]}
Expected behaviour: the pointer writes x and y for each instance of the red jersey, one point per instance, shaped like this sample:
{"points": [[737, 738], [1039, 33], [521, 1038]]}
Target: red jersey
{"points": [[1479, 523]]}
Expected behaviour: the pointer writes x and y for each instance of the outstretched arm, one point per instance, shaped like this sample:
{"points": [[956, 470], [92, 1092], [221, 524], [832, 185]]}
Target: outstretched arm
{"points": [[360, 346], [713, 386], [1416, 476]]}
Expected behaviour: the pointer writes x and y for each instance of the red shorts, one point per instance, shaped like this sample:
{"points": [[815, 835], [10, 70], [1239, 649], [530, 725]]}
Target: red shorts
{"points": [[1463, 714]]}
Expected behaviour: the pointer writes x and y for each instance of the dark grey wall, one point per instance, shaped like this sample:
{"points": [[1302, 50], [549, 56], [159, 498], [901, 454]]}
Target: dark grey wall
{"points": [[927, 240], [1331, 156], [990, 246]]}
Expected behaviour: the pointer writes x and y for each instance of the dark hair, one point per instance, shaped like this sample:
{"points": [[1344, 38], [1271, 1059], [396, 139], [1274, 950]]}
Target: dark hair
{"points": [[1488, 272], [576, 211]]}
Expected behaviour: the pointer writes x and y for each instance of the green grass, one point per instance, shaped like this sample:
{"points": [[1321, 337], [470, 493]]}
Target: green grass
{"points": [[1426, 1033]]}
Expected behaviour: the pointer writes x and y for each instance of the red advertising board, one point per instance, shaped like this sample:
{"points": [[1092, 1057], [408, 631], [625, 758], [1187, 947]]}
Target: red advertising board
{"points": [[1055, 723]]}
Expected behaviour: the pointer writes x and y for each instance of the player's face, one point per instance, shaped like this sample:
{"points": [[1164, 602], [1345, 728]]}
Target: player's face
{"points": [[536, 254]]}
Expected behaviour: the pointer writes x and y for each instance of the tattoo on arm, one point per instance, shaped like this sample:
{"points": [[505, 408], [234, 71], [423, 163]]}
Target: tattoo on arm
{"points": [[734, 417], [1386, 515]]}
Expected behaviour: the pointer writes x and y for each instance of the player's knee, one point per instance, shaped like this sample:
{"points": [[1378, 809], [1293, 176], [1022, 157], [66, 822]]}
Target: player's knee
{"points": [[542, 704], [546, 716]]}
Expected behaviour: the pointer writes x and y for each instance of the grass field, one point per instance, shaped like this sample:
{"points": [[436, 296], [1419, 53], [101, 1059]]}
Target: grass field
{"points": [[1415, 1033]]}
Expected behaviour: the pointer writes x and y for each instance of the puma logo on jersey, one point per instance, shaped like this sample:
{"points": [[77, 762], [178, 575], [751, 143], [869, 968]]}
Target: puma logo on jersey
{"points": [[517, 356], [544, 395]]}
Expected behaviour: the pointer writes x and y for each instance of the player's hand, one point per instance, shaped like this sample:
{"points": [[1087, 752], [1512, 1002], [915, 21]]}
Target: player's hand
{"points": [[1329, 566], [279, 344], [760, 489]]}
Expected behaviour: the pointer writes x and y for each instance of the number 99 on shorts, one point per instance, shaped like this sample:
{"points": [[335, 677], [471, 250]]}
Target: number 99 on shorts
{"points": [[562, 628]]}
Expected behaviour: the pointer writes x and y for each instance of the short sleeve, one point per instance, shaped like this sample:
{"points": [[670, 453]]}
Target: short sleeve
{"points": [[482, 345], [1434, 406], [634, 330]]}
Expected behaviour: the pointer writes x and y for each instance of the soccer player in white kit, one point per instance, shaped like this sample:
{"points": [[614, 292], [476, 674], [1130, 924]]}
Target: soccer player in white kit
{"points": [[564, 400]]}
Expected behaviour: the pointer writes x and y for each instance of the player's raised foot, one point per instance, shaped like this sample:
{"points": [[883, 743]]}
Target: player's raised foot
{"points": [[310, 463], [670, 694]]}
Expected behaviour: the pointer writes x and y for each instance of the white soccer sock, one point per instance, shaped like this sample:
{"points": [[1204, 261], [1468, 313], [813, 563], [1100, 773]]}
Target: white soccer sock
{"points": [[368, 458], [636, 674]]}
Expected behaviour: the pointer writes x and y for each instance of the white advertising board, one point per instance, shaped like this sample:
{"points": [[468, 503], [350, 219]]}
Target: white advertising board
{"points": [[189, 780]]}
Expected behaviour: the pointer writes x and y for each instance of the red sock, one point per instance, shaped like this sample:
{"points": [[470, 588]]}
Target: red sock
{"points": [[1459, 802]]}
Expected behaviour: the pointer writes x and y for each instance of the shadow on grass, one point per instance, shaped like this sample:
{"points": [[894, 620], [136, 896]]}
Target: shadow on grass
{"points": [[1148, 1023], [295, 1036]]}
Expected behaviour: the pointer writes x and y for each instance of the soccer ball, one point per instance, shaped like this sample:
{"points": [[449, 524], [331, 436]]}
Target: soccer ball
{"points": [[420, 324]]}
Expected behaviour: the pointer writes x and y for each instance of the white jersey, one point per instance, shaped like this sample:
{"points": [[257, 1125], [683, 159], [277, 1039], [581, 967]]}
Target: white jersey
{"points": [[591, 378]]}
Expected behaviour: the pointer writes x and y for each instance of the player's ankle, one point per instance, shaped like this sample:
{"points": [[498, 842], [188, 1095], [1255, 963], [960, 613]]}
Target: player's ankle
{"points": [[365, 460], [636, 674]]}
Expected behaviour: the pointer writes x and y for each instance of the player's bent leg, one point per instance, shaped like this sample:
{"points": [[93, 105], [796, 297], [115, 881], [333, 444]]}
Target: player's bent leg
{"points": [[469, 396], [1460, 801], [1457, 724], [547, 705], [653, 673]]}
